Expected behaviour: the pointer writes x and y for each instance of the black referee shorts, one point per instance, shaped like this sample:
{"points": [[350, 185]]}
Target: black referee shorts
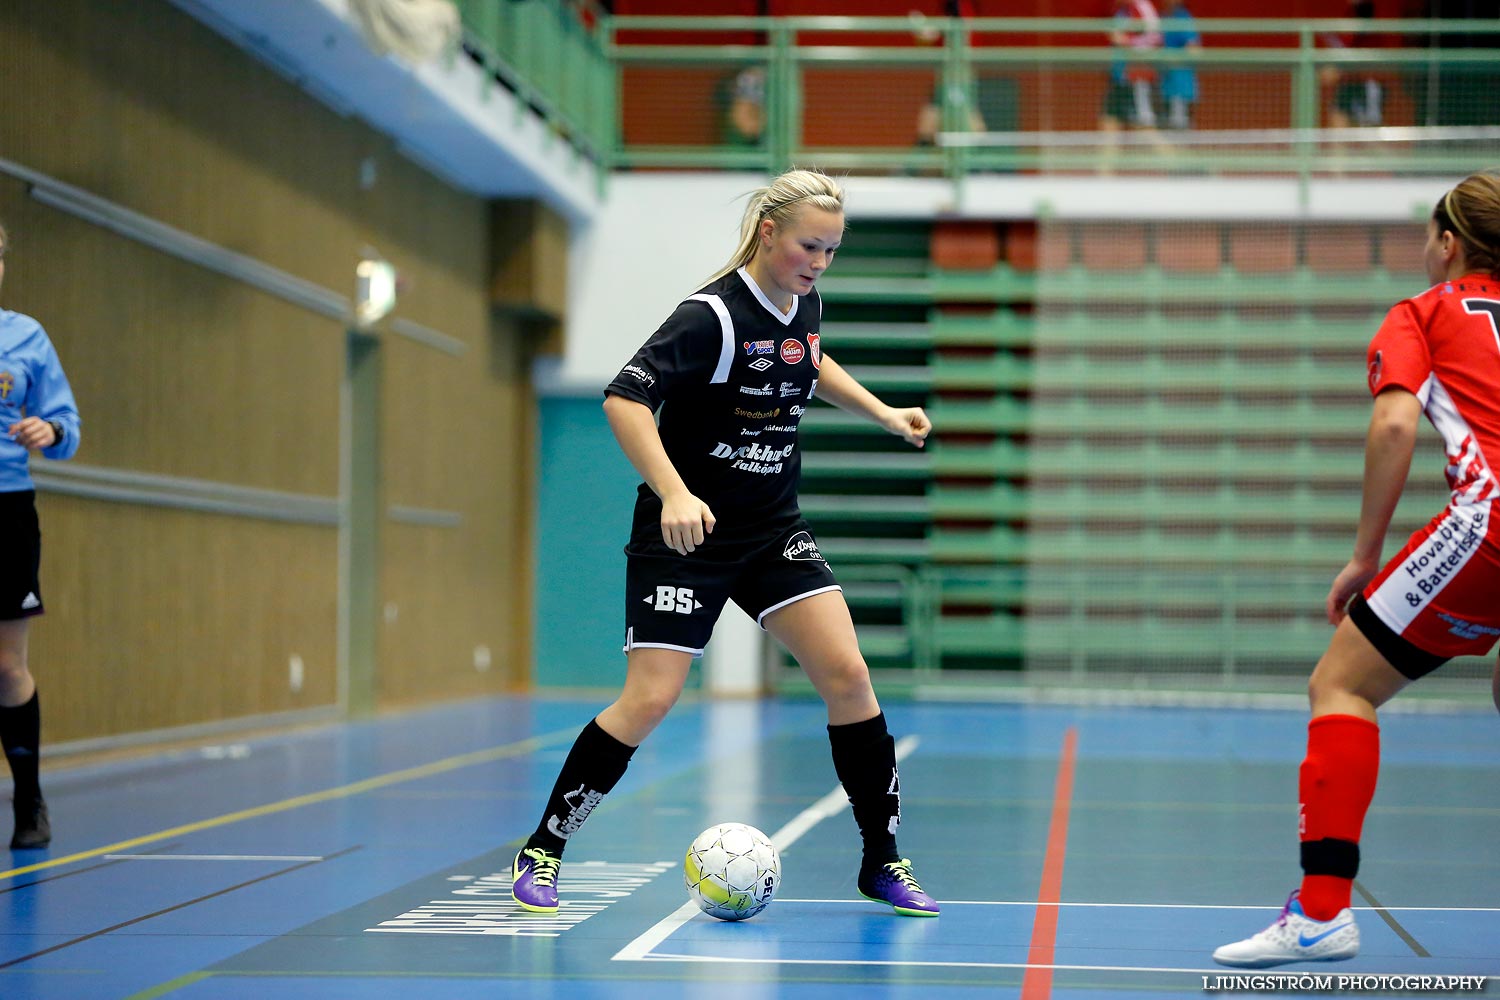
{"points": [[672, 601], [21, 541]]}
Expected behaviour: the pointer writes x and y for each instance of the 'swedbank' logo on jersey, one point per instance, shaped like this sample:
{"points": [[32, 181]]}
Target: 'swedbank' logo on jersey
{"points": [[792, 351], [760, 347], [815, 348], [801, 548]]}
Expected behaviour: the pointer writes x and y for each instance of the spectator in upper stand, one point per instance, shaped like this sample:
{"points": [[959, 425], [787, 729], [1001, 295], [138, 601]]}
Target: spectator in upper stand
{"points": [[1179, 84], [930, 117], [1358, 97], [1131, 99], [744, 107]]}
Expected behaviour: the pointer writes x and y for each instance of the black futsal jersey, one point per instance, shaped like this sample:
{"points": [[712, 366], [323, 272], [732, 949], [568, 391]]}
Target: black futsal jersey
{"points": [[731, 376]]}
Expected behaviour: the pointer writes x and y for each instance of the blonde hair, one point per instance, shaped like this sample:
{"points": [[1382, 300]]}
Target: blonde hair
{"points": [[782, 201], [1471, 211]]}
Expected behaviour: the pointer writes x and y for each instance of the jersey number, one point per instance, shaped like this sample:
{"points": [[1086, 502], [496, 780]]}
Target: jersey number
{"points": [[1489, 306]]}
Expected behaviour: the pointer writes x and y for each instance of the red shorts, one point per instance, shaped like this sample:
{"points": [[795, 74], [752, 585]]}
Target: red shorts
{"points": [[1441, 593]]}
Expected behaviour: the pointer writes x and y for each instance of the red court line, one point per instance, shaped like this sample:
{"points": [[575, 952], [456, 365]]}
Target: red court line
{"points": [[1037, 983]]}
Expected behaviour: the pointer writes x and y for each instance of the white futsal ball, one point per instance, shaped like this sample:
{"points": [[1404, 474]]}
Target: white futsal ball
{"points": [[732, 871]]}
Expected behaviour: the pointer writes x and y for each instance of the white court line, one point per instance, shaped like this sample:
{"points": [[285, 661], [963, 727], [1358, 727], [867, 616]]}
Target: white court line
{"points": [[668, 957], [213, 857], [829, 805], [1179, 906]]}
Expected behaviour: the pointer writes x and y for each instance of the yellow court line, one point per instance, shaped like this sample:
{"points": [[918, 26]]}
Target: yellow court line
{"points": [[312, 798]]}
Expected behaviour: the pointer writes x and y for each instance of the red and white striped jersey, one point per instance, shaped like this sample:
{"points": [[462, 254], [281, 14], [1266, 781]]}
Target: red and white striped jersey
{"points": [[1444, 347]]}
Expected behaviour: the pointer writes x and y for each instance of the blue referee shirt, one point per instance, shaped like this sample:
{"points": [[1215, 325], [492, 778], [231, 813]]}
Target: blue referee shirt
{"points": [[32, 383]]}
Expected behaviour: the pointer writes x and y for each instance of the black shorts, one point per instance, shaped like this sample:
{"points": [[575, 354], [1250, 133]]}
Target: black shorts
{"points": [[21, 541], [1411, 660], [672, 601], [1132, 102], [1361, 100]]}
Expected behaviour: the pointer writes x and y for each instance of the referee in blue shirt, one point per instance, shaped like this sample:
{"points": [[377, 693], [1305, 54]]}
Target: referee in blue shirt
{"points": [[37, 413]]}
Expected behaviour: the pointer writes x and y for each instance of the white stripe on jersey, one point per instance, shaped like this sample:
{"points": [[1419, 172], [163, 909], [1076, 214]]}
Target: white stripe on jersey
{"points": [[726, 352], [1449, 546], [1469, 475], [784, 318]]}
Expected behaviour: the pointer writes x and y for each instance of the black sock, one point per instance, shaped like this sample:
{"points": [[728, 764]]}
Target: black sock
{"points": [[594, 765], [864, 757], [21, 736]]}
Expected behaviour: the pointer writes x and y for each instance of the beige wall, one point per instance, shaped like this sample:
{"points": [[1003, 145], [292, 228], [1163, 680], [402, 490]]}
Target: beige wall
{"points": [[159, 617]]}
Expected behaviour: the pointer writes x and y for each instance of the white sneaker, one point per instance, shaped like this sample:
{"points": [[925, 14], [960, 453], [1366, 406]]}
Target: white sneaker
{"points": [[1295, 937]]}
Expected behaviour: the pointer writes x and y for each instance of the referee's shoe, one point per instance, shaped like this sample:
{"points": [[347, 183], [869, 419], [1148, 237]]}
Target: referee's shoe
{"points": [[33, 828]]}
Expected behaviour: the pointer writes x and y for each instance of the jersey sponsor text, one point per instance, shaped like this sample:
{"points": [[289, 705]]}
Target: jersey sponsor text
{"points": [[801, 548], [757, 458]]}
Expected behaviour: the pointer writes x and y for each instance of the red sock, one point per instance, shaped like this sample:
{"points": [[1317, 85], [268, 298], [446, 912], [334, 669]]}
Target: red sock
{"points": [[1337, 782]]}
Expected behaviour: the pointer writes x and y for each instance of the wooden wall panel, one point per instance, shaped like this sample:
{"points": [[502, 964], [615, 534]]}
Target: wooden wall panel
{"points": [[177, 370], [449, 588], [160, 114], [160, 617]]}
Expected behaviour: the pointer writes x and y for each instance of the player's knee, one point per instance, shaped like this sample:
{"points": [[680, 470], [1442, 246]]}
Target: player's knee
{"points": [[845, 680], [1324, 687], [647, 708], [12, 666]]}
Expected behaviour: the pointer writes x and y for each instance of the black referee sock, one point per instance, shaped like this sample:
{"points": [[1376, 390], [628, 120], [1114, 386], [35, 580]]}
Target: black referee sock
{"points": [[864, 758], [21, 736], [594, 765]]}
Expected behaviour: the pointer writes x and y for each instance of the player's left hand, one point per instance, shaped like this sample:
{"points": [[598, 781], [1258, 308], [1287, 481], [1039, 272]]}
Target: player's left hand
{"points": [[33, 433], [1350, 581], [910, 424]]}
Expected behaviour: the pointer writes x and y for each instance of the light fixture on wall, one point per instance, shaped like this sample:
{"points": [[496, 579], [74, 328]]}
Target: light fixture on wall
{"points": [[375, 291]]}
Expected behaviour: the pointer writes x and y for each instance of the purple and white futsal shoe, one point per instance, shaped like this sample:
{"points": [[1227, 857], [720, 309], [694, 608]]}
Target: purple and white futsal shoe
{"points": [[533, 877], [894, 884]]}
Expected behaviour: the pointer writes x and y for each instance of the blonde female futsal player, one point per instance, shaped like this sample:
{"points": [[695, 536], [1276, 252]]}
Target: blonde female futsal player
{"points": [[707, 412]]}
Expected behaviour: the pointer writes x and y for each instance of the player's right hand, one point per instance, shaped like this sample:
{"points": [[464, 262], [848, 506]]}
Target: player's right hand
{"points": [[685, 522]]}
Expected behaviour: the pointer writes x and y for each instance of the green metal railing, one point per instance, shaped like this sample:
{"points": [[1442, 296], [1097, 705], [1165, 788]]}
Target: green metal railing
{"points": [[1283, 66], [553, 55], [582, 71]]}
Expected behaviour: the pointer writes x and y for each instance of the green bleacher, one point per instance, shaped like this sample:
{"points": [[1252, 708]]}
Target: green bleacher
{"points": [[1131, 465]]}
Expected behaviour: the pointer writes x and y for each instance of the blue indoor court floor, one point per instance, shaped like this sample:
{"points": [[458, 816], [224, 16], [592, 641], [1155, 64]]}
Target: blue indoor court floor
{"points": [[1078, 852]]}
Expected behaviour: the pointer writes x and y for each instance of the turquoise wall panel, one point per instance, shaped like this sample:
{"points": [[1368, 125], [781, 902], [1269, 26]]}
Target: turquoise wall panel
{"points": [[585, 493]]}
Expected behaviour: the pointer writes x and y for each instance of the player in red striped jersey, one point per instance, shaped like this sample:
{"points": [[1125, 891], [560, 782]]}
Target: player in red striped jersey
{"points": [[1436, 354]]}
